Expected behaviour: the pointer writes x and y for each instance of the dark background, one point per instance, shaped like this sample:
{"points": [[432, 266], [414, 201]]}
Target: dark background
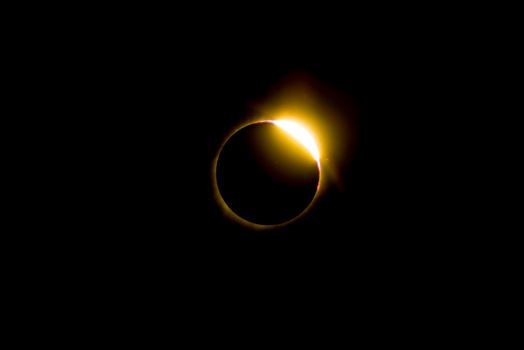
{"points": [[123, 110], [159, 112], [144, 104]]}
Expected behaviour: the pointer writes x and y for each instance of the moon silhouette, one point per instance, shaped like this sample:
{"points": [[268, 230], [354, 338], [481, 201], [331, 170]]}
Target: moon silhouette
{"points": [[268, 172]]}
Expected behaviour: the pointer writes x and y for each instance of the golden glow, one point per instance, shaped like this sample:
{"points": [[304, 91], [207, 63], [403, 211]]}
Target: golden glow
{"points": [[301, 134], [329, 114]]}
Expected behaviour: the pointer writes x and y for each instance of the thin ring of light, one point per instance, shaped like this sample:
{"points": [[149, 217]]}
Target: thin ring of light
{"points": [[295, 130]]}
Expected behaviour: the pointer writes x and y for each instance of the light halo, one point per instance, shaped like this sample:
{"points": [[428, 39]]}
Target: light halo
{"points": [[297, 131]]}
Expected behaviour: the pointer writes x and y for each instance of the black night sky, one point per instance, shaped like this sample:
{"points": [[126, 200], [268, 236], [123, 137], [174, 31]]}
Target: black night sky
{"points": [[126, 109], [152, 107]]}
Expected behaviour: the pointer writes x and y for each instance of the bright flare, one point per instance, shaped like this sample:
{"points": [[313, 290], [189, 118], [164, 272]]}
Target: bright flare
{"points": [[301, 134]]}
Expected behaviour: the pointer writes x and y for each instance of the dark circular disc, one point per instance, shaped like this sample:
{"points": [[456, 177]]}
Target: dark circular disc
{"points": [[265, 176]]}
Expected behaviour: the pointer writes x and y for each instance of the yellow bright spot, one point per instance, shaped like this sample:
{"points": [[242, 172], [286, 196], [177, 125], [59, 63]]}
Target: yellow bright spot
{"points": [[301, 134]]}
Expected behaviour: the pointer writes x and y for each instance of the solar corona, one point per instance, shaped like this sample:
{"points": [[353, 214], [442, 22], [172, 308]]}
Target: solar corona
{"points": [[267, 173]]}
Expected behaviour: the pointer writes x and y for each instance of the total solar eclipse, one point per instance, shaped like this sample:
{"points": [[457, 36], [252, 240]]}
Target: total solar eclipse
{"points": [[268, 173]]}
